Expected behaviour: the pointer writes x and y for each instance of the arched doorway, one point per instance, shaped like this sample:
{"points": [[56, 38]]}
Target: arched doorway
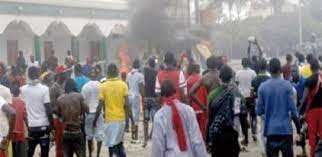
{"points": [[58, 38], [90, 42], [18, 37]]}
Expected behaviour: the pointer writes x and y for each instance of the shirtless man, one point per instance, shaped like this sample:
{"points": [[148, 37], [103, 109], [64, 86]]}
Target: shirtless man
{"points": [[71, 109], [210, 80]]}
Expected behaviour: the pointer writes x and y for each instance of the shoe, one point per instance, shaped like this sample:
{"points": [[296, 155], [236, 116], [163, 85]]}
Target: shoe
{"points": [[254, 138], [144, 144], [135, 141], [244, 143]]}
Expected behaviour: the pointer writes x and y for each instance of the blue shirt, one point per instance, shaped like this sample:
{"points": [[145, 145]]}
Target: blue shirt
{"points": [[275, 102], [80, 82], [87, 69], [299, 86]]}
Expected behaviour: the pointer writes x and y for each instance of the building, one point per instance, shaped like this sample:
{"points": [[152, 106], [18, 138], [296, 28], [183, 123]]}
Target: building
{"points": [[39, 27]]}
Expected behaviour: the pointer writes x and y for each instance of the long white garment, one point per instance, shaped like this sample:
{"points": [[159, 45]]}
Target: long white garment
{"points": [[164, 138]]}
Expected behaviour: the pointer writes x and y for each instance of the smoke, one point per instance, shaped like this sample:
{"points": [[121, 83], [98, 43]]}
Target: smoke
{"points": [[154, 23]]}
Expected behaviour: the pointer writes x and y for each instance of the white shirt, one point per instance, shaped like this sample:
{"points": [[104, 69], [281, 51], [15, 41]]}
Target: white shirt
{"points": [[4, 125], [5, 94], [90, 92], [244, 78], [35, 97], [134, 79], [34, 64]]}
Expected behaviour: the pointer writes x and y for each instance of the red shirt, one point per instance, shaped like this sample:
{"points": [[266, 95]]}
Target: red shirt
{"points": [[20, 108], [176, 77], [201, 94]]}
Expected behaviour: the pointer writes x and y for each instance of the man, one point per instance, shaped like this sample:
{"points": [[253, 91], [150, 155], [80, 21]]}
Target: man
{"points": [[56, 90], [52, 61], [210, 80], [8, 119], [150, 105], [19, 147], [87, 67], [114, 101], [306, 70], [21, 63], [275, 102], [99, 75], [80, 79], [201, 94], [224, 107], [286, 69], [39, 111], [244, 79], [170, 72], [298, 82], [135, 80], [313, 105], [90, 92], [4, 80], [262, 77], [255, 64], [71, 109], [69, 60], [33, 62], [176, 131]]}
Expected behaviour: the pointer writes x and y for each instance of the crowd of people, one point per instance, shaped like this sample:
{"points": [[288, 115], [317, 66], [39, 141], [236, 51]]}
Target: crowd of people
{"points": [[193, 114]]}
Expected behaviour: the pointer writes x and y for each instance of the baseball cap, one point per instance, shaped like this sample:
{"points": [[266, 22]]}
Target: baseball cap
{"points": [[61, 69]]}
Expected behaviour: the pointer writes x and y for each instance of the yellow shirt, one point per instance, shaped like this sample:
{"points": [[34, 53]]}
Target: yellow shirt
{"points": [[306, 71], [112, 93]]}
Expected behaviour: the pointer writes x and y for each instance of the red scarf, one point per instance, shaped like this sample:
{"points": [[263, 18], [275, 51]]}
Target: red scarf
{"points": [[177, 123]]}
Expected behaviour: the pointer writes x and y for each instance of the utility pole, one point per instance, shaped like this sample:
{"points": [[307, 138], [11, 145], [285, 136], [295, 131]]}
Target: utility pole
{"points": [[197, 14], [300, 25]]}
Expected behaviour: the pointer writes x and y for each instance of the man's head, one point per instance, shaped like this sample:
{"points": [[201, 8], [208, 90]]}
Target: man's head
{"points": [[246, 63], [151, 63], [70, 86], [289, 58], [33, 73], [15, 88], [295, 72], [309, 58], [301, 58], [275, 66], [123, 76], [214, 62], [226, 74], [69, 53], [169, 59], [167, 89], [112, 71], [193, 69], [78, 69], [254, 58], [52, 52], [315, 65], [20, 53], [136, 64], [32, 58], [262, 65], [93, 74]]}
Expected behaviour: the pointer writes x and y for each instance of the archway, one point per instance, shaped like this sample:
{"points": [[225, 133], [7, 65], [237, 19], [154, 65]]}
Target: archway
{"points": [[58, 38], [90, 42], [17, 36]]}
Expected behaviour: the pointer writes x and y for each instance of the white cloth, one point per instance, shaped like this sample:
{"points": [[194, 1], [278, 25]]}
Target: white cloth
{"points": [[90, 92], [34, 64], [4, 125], [134, 79], [35, 96], [5, 94], [244, 78]]}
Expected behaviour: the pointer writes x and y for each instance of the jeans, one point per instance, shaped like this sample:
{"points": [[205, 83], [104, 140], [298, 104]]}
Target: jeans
{"points": [[117, 150], [74, 143], [277, 143], [19, 149], [38, 137], [151, 106], [314, 121]]}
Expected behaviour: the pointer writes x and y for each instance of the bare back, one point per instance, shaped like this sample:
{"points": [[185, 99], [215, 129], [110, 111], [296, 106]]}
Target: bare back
{"points": [[211, 80], [71, 109]]}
